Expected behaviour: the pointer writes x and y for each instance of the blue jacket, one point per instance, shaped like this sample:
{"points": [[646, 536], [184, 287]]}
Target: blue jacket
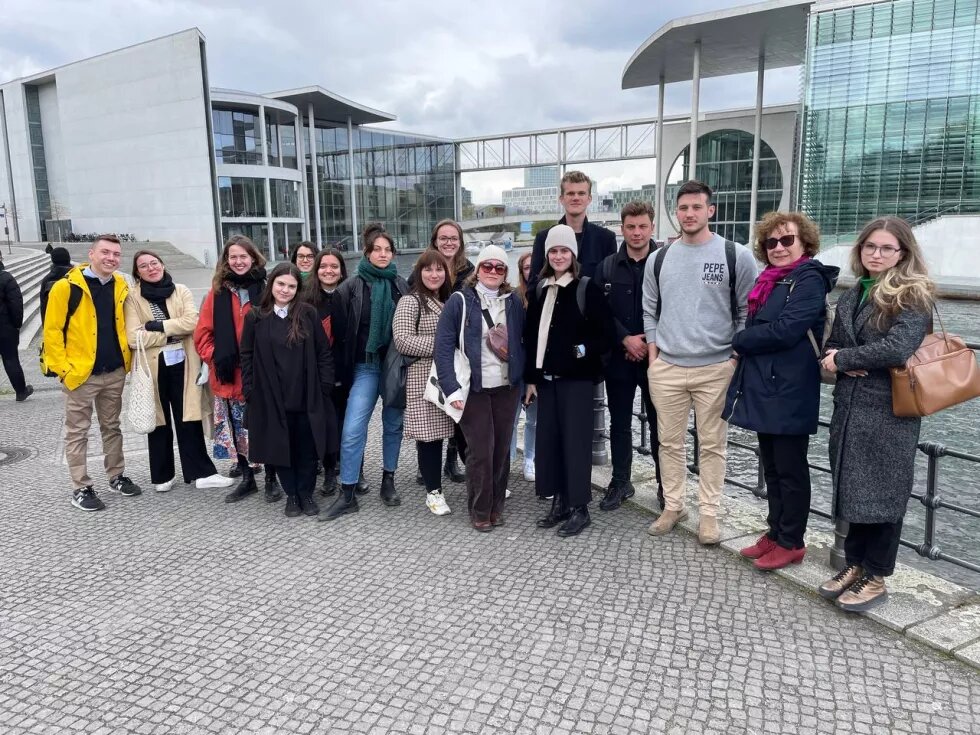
{"points": [[447, 335], [776, 386]]}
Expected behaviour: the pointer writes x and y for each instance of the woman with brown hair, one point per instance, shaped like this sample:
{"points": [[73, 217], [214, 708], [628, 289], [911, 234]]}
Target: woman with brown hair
{"points": [[238, 281], [287, 378], [775, 390], [302, 255], [163, 314], [879, 324], [414, 334]]}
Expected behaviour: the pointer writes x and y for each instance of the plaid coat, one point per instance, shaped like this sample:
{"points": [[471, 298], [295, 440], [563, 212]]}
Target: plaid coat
{"points": [[423, 421]]}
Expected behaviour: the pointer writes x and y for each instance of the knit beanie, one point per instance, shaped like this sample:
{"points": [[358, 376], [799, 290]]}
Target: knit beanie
{"points": [[60, 256], [561, 236], [493, 252]]}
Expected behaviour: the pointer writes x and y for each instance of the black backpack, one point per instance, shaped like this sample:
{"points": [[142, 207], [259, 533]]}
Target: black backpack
{"points": [[74, 299], [579, 292], [658, 261]]}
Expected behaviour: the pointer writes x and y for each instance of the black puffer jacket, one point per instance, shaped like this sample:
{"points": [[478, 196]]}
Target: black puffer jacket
{"points": [[11, 305]]}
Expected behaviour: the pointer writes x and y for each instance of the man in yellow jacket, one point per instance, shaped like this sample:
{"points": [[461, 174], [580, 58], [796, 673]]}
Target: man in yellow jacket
{"points": [[85, 345]]}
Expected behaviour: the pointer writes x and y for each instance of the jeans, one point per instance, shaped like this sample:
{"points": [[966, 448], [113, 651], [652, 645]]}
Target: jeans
{"points": [[530, 429], [364, 394]]}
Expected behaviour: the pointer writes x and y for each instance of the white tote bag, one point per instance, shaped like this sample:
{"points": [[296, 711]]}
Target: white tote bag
{"points": [[461, 366], [142, 409]]}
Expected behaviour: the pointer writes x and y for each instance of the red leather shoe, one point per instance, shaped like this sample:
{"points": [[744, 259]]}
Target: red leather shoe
{"points": [[482, 526], [779, 558], [760, 548]]}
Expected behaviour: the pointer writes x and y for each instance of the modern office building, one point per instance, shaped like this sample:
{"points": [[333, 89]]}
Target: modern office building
{"points": [[531, 200], [540, 176]]}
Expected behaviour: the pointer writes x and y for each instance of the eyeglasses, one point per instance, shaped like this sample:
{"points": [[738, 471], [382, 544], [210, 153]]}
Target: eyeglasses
{"points": [[305, 257], [886, 251], [786, 241], [498, 268], [447, 240], [145, 266]]}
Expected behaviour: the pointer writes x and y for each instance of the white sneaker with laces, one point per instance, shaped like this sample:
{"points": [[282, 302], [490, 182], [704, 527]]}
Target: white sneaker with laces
{"points": [[507, 493], [529, 470], [165, 487], [215, 480], [435, 502]]}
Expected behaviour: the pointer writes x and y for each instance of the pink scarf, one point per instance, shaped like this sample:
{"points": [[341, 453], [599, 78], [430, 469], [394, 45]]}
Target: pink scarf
{"points": [[767, 282]]}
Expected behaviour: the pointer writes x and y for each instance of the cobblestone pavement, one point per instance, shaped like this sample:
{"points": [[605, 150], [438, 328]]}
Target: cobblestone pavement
{"points": [[176, 613]]}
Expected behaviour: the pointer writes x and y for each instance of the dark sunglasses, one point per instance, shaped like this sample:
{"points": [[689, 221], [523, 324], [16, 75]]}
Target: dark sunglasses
{"points": [[786, 241], [500, 269]]}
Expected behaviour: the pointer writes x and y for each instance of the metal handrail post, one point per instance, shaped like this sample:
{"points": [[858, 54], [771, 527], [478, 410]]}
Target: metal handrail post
{"points": [[600, 452], [838, 557]]}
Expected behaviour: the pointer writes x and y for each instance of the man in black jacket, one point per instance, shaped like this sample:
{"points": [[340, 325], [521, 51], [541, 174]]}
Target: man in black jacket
{"points": [[594, 242], [11, 320], [620, 276]]}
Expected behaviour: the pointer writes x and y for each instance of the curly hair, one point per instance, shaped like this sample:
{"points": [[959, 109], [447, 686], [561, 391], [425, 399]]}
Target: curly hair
{"points": [[222, 270], [806, 229]]}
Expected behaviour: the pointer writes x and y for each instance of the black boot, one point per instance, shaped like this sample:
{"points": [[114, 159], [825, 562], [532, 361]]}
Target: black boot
{"points": [[576, 522], [273, 490], [293, 508], [345, 503], [244, 488], [618, 491], [389, 495], [451, 469], [307, 504], [329, 486], [419, 480], [362, 484], [556, 515]]}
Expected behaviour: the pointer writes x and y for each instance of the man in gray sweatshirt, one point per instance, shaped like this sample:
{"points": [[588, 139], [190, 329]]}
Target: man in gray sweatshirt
{"points": [[691, 311]]}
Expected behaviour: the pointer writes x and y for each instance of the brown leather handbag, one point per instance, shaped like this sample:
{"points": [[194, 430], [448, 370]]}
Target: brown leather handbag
{"points": [[942, 373]]}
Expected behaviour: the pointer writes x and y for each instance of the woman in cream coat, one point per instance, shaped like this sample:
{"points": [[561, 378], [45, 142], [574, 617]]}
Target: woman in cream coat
{"points": [[165, 314]]}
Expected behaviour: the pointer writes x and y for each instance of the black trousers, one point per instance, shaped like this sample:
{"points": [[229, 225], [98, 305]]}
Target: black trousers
{"points": [[11, 363], [339, 398], [787, 473], [620, 391], [299, 476], [430, 463], [194, 460], [563, 444], [874, 546], [488, 423]]}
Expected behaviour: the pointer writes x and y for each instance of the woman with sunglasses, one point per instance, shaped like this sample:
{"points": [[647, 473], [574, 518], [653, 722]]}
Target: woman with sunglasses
{"points": [[302, 256], [879, 324], [775, 390], [496, 363], [569, 330]]}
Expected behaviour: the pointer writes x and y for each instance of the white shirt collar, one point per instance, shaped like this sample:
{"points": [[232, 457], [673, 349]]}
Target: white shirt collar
{"points": [[281, 311]]}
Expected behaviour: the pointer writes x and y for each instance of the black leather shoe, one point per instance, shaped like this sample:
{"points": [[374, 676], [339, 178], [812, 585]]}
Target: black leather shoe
{"points": [[362, 487], [389, 495], [308, 505], [293, 508], [451, 468], [576, 522], [616, 494], [329, 486], [244, 488], [273, 490], [556, 515], [345, 503]]}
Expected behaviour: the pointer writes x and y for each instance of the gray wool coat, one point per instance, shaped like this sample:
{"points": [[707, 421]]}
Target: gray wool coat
{"points": [[872, 451]]}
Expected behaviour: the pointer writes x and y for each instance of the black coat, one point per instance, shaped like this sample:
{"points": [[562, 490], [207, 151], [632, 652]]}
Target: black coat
{"points": [[597, 244], [11, 306], [872, 451], [348, 300], [776, 385], [621, 291], [569, 328], [268, 434], [56, 273]]}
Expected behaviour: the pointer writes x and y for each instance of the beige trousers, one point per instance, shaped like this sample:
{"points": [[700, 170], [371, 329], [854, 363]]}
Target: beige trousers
{"points": [[105, 391], [674, 389]]}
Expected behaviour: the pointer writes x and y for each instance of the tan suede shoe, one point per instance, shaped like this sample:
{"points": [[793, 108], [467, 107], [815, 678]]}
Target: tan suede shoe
{"points": [[866, 593], [666, 522], [833, 587], [708, 533]]}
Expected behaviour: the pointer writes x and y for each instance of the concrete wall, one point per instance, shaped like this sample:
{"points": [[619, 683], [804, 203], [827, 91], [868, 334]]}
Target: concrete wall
{"points": [[17, 151], [54, 161]]}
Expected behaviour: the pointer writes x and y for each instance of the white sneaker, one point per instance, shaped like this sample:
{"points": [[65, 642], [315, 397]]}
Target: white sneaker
{"points": [[165, 487], [507, 493], [213, 481], [529, 470], [437, 504]]}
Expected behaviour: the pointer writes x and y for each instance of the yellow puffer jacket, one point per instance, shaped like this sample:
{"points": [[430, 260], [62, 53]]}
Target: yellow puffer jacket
{"points": [[72, 357]]}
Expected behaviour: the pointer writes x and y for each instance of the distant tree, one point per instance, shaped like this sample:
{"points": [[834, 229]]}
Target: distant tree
{"points": [[543, 224]]}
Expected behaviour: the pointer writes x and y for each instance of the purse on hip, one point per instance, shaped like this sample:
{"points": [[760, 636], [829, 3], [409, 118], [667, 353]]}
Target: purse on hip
{"points": [[496, 337], [941, 373]]}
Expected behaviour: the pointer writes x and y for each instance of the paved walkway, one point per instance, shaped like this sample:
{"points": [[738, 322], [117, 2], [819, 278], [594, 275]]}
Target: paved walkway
{"points": [[176, 613]]}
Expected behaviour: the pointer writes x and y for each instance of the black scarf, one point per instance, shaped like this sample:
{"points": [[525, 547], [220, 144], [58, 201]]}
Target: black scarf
{"points": [[225, 357], [159, 291], [324, 307]]}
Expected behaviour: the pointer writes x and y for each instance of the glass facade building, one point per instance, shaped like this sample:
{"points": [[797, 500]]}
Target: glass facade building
{"points": [[891, 113]]}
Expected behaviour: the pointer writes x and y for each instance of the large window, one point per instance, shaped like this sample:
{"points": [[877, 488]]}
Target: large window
{"points": [[281, 140], [241, 197], [237, 137], [257, 233], [286, 235], [285, 198]]}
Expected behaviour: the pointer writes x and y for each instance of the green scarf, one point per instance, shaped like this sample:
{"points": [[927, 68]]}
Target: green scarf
{"points": [[304, 274], [866, 284], [382, 307]]}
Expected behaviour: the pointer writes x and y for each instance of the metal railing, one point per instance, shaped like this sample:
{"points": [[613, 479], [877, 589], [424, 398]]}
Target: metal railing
{"points": [[931, 498]]}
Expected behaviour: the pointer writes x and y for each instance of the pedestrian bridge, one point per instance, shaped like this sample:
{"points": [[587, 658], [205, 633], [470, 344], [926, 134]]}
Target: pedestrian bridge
{"points": [[485, 223]]}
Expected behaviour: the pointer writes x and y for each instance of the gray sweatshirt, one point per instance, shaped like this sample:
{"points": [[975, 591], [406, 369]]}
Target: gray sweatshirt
{"points": [[695, 326]]}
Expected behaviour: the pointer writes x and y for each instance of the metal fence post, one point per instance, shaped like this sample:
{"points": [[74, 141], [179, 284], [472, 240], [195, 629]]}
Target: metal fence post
{"points": [[837, 556], [600, 454]]}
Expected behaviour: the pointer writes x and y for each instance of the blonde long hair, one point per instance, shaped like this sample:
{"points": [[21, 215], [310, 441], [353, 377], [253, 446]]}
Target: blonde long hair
{"points": [[902, 287]]}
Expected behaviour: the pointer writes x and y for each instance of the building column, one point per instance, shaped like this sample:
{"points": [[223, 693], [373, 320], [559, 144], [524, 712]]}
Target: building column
{"points": [[267, 185], [301, 163], [355, 236], [659, 180], [695, 94], [316, 176], [457, 186], [756, 149]]}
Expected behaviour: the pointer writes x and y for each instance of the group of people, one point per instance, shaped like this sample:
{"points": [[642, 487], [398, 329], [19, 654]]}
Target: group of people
{"points": [[286, 367]]}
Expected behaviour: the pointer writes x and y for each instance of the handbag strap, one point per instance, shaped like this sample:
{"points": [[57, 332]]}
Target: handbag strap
{"points": [[462, 323], [487, 318], [813, 341]]}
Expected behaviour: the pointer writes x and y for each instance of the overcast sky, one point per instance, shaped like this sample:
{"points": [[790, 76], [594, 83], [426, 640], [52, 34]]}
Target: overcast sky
{"points": [[453, 68]]}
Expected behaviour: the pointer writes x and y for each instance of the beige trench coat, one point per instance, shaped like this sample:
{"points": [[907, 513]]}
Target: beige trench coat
{"points": [[183, 319]]}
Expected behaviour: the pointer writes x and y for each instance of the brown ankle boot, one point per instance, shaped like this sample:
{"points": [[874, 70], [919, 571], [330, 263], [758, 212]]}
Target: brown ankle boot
{"points": [[666, 522], [833, 587], [866, 593]]}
